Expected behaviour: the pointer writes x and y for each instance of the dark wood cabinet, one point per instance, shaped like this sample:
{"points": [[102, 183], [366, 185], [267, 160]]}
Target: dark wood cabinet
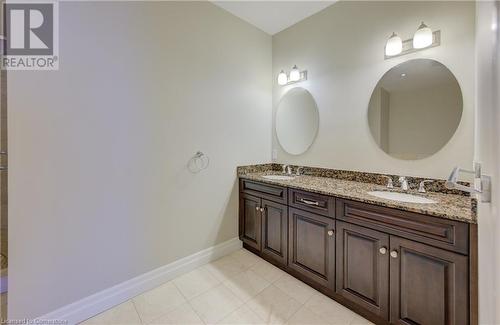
{"points": [[275, 231], [250, 221], [389, 265], [439, 232], [263, 224], [363, 267], [311, 247], [428, 285]]}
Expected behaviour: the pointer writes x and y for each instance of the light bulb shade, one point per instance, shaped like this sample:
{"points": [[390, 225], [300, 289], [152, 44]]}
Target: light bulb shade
{"points": [[282, 78], [394, 45], [422, 37], [295, 74]]}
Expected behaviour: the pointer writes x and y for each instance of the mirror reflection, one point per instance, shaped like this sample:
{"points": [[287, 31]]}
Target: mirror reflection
{"points": [[415, 109], [297, 121]]}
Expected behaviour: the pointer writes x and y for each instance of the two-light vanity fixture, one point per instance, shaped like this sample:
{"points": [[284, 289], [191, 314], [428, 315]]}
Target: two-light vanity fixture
{"points": [[295, 76], [423, 38]]}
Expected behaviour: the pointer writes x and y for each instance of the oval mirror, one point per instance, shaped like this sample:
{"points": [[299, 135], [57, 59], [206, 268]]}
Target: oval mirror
{"points": [[297, 121], [415, 109]]}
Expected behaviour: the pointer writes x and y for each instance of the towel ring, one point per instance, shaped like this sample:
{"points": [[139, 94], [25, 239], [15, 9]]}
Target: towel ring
{"points": [[198, 162]]}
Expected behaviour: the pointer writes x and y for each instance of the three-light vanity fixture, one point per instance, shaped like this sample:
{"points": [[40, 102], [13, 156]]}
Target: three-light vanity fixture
{"points": [[295, 75], [423, 38]]}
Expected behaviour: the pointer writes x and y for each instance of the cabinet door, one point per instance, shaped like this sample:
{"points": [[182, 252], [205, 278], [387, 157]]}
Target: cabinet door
{"points": [[428, 284], [250, 220], [311, 249], [363, 267], [275, 231]]}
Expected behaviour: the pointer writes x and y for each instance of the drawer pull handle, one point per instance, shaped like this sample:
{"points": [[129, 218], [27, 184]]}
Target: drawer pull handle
{"points": [[382, 250], [316, 203], [330, 232], [257, 208], [262, 209], [394, 254]]}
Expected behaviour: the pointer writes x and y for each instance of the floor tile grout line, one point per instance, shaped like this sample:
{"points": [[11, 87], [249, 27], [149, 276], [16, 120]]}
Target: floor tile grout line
{"points": [[186, 299], [244, 303], [167, 312], [178, 289], [196, 312], [286, 294], [248, 306], [200, 293], [137, 311]]}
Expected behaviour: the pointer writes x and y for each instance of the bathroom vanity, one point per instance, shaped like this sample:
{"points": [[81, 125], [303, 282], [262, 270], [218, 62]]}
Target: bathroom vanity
{"points": [[391, 262]]}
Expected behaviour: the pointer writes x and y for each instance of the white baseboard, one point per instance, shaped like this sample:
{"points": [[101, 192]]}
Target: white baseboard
{"points": [[92, 305]]}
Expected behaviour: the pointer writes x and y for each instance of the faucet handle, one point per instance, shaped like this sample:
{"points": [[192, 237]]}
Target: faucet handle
{"points": [[404, 183], [390, 184], [298, 172], [421, 186], [284, 166]]}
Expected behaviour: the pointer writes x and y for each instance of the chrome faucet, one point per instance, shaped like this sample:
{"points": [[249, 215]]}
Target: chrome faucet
{"points": [[404, 183], [421, 186], [298, 172], [287, 169], [389, 181]]}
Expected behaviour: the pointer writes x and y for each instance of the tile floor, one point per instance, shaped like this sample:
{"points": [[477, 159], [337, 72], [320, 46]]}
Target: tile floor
{"points": [[240, 288]]}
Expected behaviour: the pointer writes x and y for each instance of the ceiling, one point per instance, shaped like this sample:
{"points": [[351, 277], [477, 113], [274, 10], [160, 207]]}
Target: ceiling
{"points": [[273, 16]]}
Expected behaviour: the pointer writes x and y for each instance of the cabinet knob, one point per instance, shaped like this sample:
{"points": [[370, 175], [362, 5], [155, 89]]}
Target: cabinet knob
{"points": [[382, 250], [257, 208], [262, 209], [394, 254], [330, 232]]}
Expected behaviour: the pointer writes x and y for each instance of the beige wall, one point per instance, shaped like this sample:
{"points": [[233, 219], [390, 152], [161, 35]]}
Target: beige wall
{"points": [[99, 190], [342, 47]]}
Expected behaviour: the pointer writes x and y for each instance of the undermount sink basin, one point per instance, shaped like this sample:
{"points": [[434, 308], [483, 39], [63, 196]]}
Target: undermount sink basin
{"points": [[401, 197], [279, 177]]}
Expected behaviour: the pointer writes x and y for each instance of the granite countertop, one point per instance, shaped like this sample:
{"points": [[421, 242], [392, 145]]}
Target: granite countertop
{"points": [[449, 206]]}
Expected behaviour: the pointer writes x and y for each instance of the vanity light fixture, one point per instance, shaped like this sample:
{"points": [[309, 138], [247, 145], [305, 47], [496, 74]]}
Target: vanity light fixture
{"points": [[394, 45], [282, 78], [423, 37], [295, 76]]}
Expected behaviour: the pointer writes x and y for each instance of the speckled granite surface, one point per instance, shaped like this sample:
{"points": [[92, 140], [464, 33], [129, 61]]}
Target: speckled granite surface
{"points": [[450, 206], [436, 186]]}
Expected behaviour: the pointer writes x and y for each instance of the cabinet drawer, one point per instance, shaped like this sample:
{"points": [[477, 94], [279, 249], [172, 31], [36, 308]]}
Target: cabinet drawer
{"points": [[312, 202], [444, 233], [270, 192]]}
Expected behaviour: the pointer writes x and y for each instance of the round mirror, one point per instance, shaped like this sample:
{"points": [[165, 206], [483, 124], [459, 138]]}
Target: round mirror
{"points": [[297, 121], [415, 109]]}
